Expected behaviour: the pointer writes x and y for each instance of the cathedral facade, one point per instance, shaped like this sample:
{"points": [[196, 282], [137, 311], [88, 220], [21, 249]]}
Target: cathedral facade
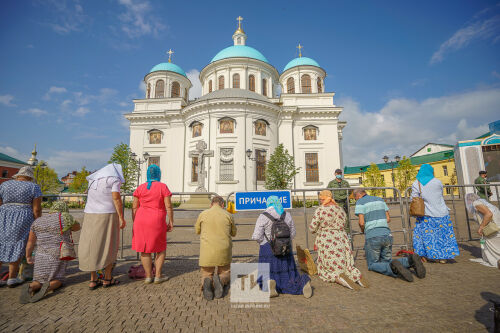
{"points": [[240, 119]]}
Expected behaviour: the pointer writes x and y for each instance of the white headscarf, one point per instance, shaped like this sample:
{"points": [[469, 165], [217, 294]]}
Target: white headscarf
{"points": [[470, 198], [110, 170]]}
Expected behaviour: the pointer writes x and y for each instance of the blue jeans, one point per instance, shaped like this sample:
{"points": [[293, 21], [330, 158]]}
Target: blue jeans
{"points": [[378, 251]]}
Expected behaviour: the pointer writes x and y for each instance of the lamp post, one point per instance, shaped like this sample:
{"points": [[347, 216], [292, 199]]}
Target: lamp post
{"points": [[386, 160], [139, 162], [249, 155]]}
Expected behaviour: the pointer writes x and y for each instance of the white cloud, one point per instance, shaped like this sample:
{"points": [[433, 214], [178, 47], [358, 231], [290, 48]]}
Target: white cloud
{"points": [[70, 16], [483, 29], [81, 111], [7, 100], [54, 90], [142, 87], [139, 19], [35, 112], [194, 76], [403, 125], [495, 74], [66, 161], [13, 152], [419, 82]]}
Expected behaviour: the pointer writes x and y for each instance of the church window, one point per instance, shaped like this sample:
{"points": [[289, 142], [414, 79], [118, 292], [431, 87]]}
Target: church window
{"points": [[154, 160], [306, 84], [194, 169], [160, 89], [260, 127], [264, 87], [226, 170], [148, 91], [260, 161], [155, 137], [320, 88], [196, 127], [226, 125], [251, 83], [221, 82], [310, 132], [290, 86], [176, 89], [5, 173], [236, 80], [312, 172], [210, 86]]}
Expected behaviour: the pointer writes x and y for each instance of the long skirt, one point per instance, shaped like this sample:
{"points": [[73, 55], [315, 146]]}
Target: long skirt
{"points": [[433, 238], [99, 241], [491, 251], [48, 268], [284, 271], [15, 224]]}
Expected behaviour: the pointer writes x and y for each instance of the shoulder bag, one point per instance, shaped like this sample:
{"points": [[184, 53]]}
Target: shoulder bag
{"points": [[67, 250], [417, 205], [490, 229]]}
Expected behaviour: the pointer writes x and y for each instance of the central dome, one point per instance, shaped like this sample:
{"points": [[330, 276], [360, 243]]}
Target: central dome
{"points": [[239, 51]]}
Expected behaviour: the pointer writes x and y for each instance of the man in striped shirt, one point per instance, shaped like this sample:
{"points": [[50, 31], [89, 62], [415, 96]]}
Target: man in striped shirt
{"points": [[373, 215]]}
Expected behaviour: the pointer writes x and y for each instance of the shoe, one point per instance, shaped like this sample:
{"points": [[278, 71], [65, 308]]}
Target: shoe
{"points": [[25, 295], [3, 283], [307, 290], [159, 280], [272, 289], [40, 293], [218, 288], [12, 283], [363, 282], [443, 261], [225, 292], [416, 262], [401, 271], [148, 280], [208, 291], [347, 282]]}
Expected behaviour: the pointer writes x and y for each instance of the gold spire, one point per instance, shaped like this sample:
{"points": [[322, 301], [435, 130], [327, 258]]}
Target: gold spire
{"points": [[300, 47], [239, 19], [170, 52], [34, 150]]}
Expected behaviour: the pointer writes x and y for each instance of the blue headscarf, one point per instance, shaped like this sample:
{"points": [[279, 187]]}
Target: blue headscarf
{"points": [[425, 174], [274, 201], [154, 174]]}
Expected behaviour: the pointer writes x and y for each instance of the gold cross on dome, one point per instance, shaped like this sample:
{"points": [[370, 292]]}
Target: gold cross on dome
{"points": [[170, 52], [300, 47], [239, 19]]}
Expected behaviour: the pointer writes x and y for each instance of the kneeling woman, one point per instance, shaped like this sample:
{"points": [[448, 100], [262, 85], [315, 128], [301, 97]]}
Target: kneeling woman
{"points": [[284, 276]]}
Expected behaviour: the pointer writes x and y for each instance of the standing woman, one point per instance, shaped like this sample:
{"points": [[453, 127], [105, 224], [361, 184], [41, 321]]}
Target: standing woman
{"points": [[20, 205], [149, 211], [433, 236], [102, 221]]}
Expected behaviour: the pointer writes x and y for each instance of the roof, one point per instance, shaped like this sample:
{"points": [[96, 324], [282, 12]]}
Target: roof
{"points": [[432, 143], [168, 66], [233, 93], [301, 61], [484, 135], [7, 158], [417, 160], [239, 51]]}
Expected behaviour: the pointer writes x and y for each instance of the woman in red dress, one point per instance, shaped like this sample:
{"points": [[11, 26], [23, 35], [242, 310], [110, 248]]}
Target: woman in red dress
{"points": [[149, 212]]}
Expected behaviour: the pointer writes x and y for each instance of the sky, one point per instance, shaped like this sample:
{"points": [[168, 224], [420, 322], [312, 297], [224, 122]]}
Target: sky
{"points": [[406, 73]]}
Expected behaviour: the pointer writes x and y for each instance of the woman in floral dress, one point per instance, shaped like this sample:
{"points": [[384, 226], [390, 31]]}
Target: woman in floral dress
{"points": [[335, 260]]}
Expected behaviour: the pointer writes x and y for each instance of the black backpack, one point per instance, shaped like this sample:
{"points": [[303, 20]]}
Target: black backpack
{"points": [[281, 242]]}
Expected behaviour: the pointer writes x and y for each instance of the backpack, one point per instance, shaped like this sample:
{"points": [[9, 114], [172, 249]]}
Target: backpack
{"points": [[281, 242]]}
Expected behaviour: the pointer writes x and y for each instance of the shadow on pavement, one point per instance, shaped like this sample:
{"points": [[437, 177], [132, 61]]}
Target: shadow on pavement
{"points": [[473, 250], [486, 314]]}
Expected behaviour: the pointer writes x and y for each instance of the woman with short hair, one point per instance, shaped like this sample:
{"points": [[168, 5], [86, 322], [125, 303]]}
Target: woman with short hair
{"points": [[20, 205]]}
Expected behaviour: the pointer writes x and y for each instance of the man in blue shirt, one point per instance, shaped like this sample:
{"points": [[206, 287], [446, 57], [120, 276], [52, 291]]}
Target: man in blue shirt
{"points": [[373, 215]]}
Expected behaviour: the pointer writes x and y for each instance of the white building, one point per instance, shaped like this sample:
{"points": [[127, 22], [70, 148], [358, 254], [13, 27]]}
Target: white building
{"points": [[239, 110], [432, 148]]}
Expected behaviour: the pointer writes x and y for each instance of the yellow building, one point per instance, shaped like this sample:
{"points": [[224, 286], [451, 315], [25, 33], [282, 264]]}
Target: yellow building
{"points": [[442, 161]]}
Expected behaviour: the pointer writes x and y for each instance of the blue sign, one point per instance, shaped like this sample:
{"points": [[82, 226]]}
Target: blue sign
{"points": [[258, 200]]}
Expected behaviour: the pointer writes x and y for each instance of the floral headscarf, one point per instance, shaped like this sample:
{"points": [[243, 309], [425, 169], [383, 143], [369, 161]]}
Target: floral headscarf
{"points": [[62, 207], [274, 201], [154, 174]]}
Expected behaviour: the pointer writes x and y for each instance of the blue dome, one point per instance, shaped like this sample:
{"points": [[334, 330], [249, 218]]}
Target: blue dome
{"points": [[239, 51], [302, 61], [168, 66]]}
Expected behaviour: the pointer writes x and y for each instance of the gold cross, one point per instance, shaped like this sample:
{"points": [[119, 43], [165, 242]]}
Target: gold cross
{"points": [[300, 47], [239, 19], [170, 52]]}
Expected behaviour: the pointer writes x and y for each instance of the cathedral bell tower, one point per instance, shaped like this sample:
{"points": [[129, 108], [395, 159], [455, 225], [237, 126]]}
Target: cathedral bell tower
{"points": [[239, 36]]}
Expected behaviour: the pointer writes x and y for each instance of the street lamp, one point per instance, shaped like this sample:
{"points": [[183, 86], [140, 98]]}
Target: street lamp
{"points": [[249, 155], [386, 160], [139, 162]]}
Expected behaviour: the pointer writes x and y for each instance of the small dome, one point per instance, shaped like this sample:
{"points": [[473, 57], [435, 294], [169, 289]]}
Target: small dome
{"points": [[239, 51], [302, 61], [168, 66]]}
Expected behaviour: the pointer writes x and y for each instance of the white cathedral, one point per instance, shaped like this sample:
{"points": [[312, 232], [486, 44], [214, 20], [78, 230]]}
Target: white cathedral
{"points": [[237, 122]]}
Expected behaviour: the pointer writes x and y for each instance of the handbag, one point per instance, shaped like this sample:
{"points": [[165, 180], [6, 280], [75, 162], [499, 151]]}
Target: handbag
{"points": [[490, 228], [306, 261], [417, 205], [66, 250]]}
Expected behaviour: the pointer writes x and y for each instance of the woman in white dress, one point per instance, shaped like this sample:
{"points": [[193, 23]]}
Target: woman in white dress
{"points": [[484, 212]]}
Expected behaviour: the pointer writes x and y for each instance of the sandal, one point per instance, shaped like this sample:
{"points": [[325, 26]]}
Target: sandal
{"points": [[97, 284], [40, 293], [112, 282]]}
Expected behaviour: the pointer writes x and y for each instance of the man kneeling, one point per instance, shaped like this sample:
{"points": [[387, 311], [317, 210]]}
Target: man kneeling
{"points": [[215, 227], [374, 216]]}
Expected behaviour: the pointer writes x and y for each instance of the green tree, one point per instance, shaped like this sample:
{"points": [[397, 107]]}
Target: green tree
{"points": [[453, 177], [47, 179], [405, 174], [374, 178], [123, 155], [280, 169], [80, 183]]}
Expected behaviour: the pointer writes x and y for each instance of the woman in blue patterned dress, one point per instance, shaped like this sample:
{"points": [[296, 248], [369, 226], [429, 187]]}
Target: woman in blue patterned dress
{"points": [[20, 205], [433, 236]]}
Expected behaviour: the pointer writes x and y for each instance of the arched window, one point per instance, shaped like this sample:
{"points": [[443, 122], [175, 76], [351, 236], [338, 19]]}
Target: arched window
{"points": [[221, 82], [210, 86], [226, 125], [290, 86], [236, 80], [310, 132], [160, 89], [148, 91], [264, 87], [251, 83], [155, 137], [306, 84], [320, 88], [176, 89]]}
